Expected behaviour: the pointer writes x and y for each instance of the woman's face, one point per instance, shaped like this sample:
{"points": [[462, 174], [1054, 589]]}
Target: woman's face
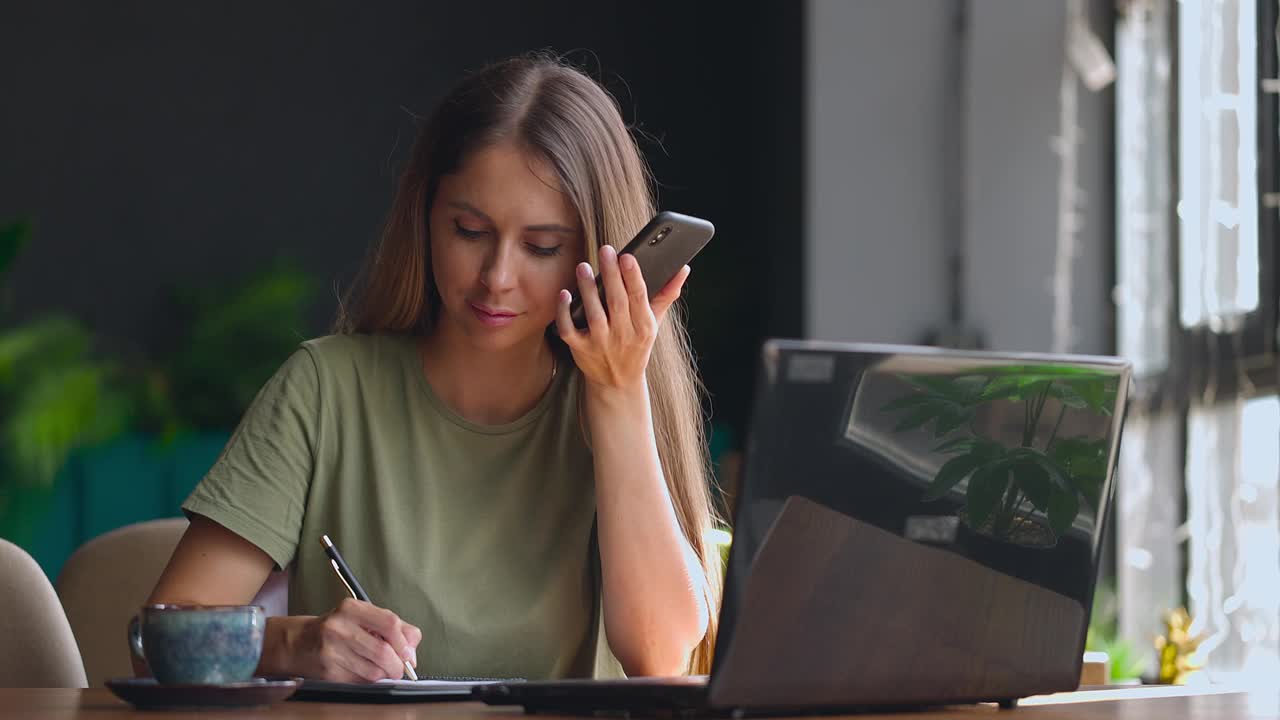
{"points": [[504, 241]]}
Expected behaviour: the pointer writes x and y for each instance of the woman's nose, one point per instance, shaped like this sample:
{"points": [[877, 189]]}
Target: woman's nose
{"points": [[498, 272]]}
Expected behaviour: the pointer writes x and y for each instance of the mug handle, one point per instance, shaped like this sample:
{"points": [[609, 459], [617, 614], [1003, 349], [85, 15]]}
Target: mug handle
{"points": [[139, 659]]}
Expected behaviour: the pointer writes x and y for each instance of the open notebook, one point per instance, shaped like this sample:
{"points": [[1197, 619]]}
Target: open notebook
{"points": [[436, 683], [427, 689]]}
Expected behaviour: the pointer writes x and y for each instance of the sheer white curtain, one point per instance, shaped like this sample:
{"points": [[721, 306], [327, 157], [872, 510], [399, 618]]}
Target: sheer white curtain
{"points": [[1216, 452], [1149, 494]]}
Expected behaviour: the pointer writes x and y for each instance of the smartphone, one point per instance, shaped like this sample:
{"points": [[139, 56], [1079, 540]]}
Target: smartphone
{"points": [[663, 246]]}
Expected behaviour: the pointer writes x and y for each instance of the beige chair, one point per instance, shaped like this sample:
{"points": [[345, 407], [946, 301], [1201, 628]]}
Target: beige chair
{"points": [[108, 578], [38, 648], [104, 583]]}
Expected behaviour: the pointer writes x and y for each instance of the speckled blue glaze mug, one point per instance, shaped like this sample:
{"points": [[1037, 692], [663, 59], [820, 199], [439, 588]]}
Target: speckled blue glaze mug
{"points": [[198, 644]]}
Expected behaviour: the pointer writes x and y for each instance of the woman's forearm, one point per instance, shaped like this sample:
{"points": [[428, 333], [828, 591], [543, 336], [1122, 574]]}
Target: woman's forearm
{"points": [[654, 602]]}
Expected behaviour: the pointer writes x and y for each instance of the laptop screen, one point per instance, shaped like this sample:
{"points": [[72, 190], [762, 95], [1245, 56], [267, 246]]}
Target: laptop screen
{"points": [[917, 457]]}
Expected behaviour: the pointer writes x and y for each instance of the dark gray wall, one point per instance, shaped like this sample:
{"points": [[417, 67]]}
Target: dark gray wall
{"points": [[169, 145]]}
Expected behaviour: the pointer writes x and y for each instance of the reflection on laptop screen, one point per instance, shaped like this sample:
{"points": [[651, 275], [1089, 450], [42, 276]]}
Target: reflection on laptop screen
{"points": [[1005, 461]]}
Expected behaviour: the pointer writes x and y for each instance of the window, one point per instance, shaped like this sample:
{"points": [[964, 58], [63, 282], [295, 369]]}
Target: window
{"points": [[1197, 517]]}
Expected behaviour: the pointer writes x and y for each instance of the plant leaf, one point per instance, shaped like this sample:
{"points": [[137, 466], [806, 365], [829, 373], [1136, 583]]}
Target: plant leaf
{"points": [[921, 415], [1043, 371], [39, 345], [1064, 505], [260, 320], [1098, 392], [986, 488], [1084, 462], [988, 448], [950, 474], [969, 388], [1033, 481], [1002, 388], [13, 237], [1090, 488], [959, 444], [1034, 456], [1067, 396], [950, 420], [48, 420]]}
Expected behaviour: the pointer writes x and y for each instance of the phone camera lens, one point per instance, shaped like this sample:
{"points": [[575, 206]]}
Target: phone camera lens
{"points": [[662, 235]]}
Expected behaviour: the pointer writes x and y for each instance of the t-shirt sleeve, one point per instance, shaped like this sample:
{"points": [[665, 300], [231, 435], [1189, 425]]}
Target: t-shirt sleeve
{"points": [[258, 486]]}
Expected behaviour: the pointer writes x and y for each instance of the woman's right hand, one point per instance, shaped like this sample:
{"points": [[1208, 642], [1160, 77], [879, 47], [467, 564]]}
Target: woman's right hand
{"points": [[354, 642]]}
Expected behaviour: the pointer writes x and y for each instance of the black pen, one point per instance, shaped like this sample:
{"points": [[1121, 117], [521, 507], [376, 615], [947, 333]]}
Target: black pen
{"points": [[353, 586]]}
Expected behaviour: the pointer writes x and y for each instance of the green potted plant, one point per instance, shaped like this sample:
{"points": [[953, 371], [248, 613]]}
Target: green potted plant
{"points": [[235, 336], [88, 445], [1026, 493], [192, 390], [55, 396]]}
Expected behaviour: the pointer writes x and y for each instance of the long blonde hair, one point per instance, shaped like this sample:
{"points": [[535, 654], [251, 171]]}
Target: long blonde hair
{"points": [[569, 119]]}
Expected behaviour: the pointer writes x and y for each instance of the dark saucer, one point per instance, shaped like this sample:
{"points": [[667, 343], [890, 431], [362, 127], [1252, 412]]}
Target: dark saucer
{"points": [[147, 694]]}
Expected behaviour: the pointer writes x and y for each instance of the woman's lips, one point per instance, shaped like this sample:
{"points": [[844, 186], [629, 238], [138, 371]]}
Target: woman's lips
{"points": [[492, 317]]}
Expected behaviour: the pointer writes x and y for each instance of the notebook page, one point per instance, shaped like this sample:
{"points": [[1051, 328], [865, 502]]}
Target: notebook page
{"points": [[430, 682]]}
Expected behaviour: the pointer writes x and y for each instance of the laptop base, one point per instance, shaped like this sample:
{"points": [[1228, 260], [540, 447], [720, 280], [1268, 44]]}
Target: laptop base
{"points": [[621, 698], [662, 697]]}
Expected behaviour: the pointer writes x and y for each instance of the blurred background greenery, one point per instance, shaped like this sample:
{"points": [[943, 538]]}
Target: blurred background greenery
{"points": [[1129, 663], [90, 441], [55, 396]]}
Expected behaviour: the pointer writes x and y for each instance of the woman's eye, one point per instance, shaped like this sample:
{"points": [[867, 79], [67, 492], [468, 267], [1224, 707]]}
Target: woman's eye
{"points": [[466, 232], [543, 251]]}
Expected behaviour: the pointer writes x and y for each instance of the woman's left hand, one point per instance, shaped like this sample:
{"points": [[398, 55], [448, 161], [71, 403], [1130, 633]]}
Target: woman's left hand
{"points": [[613, 351]]}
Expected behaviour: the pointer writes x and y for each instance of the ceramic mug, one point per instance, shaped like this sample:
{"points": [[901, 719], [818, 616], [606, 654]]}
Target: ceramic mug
{"points": [[198, 644]]}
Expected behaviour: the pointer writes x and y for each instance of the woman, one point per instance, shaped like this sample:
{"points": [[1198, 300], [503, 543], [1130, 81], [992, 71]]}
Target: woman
{"points": [[518, 497]]}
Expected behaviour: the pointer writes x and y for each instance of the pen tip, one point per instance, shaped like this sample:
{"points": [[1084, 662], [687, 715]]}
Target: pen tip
{"points": [[325, 541]]}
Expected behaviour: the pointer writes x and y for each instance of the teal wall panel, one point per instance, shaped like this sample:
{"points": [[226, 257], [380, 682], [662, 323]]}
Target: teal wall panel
{"points": [[132, 479]]}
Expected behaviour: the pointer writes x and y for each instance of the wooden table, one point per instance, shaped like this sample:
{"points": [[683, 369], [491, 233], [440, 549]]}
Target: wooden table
{"points": [[1139, 703]]}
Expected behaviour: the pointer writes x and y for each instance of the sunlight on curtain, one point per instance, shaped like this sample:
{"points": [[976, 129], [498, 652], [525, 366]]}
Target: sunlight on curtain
{"points": [[1232, 461], [1149, 480], [1233, 570], [1218, 192], [1233, 567], [1144, 179]]}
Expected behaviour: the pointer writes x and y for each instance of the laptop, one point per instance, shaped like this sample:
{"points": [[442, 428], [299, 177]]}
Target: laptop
{"points": [[914, 527]]}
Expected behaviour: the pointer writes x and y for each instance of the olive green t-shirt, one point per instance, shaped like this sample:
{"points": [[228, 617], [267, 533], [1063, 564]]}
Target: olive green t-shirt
{"points": [[480, 535]]}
